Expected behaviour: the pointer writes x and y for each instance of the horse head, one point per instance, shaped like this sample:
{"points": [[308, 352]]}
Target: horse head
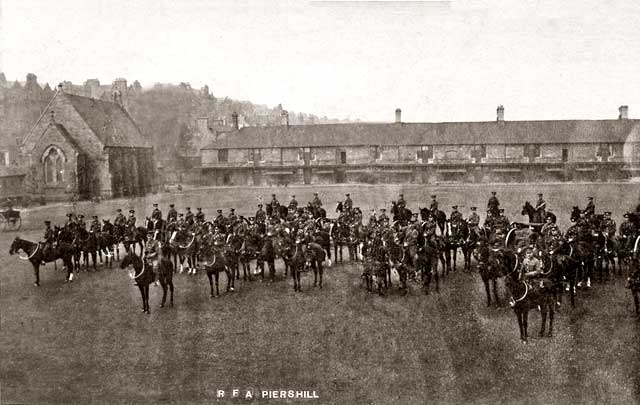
{"points": [[527, 208], [15, 245]]}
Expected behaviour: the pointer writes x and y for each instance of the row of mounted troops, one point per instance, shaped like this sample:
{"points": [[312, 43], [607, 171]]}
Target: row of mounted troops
{"points": [[411, 245]]}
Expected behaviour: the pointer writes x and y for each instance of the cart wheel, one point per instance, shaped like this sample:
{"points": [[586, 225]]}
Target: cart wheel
{"points": [[14, 224]]}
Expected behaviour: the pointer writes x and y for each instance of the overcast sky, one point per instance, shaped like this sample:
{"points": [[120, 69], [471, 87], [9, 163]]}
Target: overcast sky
{"points": [[438, 61]]}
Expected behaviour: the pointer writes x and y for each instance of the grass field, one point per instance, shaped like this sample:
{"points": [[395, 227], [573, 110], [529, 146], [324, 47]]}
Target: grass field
{"points": [[88, 342]]}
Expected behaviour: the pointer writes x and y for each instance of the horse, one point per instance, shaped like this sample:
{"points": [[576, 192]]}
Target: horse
{"points": [[143, 274], [535, 216], [159, 225], [526, 298], [562, 268], [492, 265], [268, 254], [37, 254], [184, 245], [88, 247], [339, 233], [297, 262], [374, 265], [427, 262], [400, 214], [215, 263], [314, 256], [457, 239], [133, 236], [575, 213], [165, 273], [106, 243]]}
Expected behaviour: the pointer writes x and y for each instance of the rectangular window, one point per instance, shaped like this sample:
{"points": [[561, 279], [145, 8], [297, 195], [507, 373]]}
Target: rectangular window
{"points": [[604, 151], [375, 152], [565, 154], [4, 158], [616, 149], [307, 154], [480, 151], [254, 155], [425, 153], [343, 157], [223, 155]]}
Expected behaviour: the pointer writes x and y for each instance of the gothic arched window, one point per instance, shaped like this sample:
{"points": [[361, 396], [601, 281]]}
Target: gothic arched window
{"points": [[53, 160]]}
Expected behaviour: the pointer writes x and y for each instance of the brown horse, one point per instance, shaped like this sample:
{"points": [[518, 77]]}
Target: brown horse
{"points": [[37, 254], [527, 296]]}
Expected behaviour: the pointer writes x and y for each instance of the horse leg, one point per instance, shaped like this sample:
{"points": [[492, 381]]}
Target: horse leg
{"points": [[141, 288], [146, 298], [170, 281], [231, 284], [436, 275], [320, 270], [486, 288], [520, 325], [636, 300], [36, 273], [551, 314], [455, 257], [272, 270], [164, 291], [229, 274], [210, 282], [525, 323], [217, 283], [495, 291], [94, 258], [543, 316]]}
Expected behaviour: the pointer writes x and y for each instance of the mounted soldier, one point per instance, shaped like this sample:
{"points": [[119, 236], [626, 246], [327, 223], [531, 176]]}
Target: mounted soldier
{"points": [[189, 218], [274, 204], [156, 214], [48, 239], [493, 205], [609, 225], [80, 223], [95, 225], [107, 226], [293, 204], [120, 220], [71, 223], [383, 219], [348, 203], [541, 206], [199, 215], [401, 203], [456, 216], [131, 221], [433, 207], [232, 218], [316, 203], [172, 215], [261, 216], [590, 210], [220, 220], [474, 221], [181, 224]]}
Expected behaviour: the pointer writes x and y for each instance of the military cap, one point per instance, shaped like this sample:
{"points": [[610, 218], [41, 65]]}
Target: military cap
{"points": [[473, 208], [155, 204], [232, 209], [590, 198], [219, 211], [181, 214], [171, 205], [118, 210], [94, 216], [607, 213], [501, 209], [401, 195], [347, 194], [626, 215], [47, 222], [273, 195], [199, 209], [188, 208], [316, 193], [80, 216], [383, 209], [293, 196], [455, 207], [493, 192], [69, 215], [132, 211], [433, 196], [259, 205], [540, 194], [105, 220]]}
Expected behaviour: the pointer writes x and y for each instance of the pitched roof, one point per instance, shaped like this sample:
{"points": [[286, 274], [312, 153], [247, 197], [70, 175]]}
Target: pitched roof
{"points": [[68, 137], [108, 121], [445, 133]]}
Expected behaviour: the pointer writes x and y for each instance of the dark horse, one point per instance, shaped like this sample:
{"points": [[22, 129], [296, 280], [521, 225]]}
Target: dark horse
{"points": [[37, 254], [400, 213], [527, 296], [633, 284], [439, 216], [142, 273], [282, 211], [535, 216], [493, 263], [215, 263]]}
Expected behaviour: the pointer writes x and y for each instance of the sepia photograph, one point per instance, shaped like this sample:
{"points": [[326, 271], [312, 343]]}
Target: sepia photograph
{"points": [[319, 201]]}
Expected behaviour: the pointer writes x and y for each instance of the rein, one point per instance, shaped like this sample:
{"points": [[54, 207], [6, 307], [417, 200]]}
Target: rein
{"points": [[144, 265], [526, 291], [32, 254]]}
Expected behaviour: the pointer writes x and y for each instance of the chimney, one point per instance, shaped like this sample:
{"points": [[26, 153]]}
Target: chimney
{"points": [[60, 88], [234, 120], [624, 112], [500, 113], [52, 117], [398, 116], [285, 117]]}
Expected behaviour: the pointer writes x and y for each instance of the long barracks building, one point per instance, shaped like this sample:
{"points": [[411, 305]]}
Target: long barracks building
{"points": [[471, 152]]}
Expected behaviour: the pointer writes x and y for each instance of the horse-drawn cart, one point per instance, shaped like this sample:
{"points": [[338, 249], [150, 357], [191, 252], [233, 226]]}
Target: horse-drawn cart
{"points": [[11, 220]]}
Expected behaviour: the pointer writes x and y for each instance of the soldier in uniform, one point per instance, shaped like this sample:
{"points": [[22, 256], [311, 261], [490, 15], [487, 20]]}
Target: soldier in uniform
{"points": [[120, 219], [172, 215], [220, 220], [199, 215], [275, 204], [348, 203], [316, 203], [232, 218], [156, 214], [293, 204], [609, 225], [95, 225], [493, 204], [383, 219], [80, 223], [401, 202], [433, 207], [541, 206], [474, 220], [455, 214], [628, 233], [70, 222], [373, 220], [189, 217], [49, 238], [547, 227], [181, 224], [261, 216], [591, 208]]}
